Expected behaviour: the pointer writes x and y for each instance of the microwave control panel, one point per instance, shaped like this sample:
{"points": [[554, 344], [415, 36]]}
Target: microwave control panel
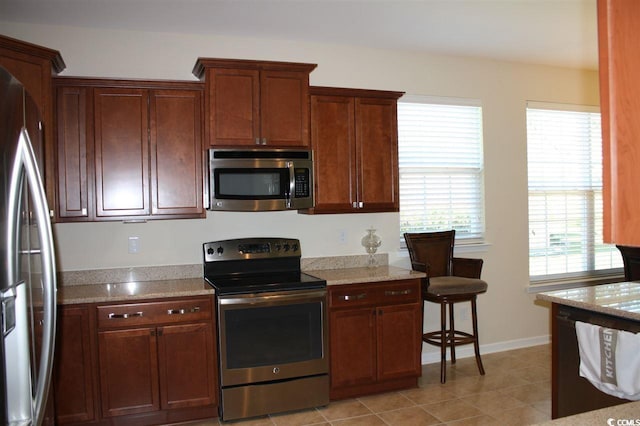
{"points": [[302, 183]]}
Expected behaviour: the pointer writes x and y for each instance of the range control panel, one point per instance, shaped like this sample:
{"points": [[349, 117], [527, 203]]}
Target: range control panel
{"points": [[251, 248]]}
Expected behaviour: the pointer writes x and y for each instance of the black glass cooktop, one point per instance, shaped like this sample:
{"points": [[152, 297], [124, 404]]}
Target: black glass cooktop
{"points": [[256, 265], [259, 283]]}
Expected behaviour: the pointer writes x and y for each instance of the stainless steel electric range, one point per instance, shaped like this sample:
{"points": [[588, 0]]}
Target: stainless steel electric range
{"points": [[272, 327]]}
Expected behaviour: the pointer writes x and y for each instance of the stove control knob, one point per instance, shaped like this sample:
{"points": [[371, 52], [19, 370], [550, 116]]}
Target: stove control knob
{"points": [[220, 250], [210, 251], [295, 247], [286, 247], [278, 247]]}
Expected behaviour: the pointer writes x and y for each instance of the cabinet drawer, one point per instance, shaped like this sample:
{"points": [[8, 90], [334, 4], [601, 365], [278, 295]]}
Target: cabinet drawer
{"points": [[146, 313], [351, 295], [404, 291]]}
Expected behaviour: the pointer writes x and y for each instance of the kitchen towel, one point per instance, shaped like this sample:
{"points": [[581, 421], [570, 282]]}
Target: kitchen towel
{"points": [[610, 359]]}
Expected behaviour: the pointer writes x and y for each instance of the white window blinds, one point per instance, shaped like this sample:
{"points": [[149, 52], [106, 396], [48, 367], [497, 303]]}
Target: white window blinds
{"points": [[564, 148], [441, 167]]}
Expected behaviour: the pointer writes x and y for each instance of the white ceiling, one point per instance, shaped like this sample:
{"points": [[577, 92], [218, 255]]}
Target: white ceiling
{"points": [[551, 32]]}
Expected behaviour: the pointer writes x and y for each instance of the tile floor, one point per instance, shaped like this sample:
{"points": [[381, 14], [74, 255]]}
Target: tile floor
{"points": [[516, 390]]}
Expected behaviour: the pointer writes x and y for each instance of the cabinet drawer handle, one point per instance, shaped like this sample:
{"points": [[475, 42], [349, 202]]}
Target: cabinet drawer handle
{"points": [[397, 292], [183, 311], [356, 297], [124, 316]]}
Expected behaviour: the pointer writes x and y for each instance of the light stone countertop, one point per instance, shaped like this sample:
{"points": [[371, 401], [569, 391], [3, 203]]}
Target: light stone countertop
{"points": [[184, 287], [618, 299], [365, 275], [133, 290], [619, 415]]}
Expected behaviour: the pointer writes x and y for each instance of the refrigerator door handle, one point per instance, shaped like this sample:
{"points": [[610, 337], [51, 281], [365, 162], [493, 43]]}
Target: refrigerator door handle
{"points": [[26, 160]]}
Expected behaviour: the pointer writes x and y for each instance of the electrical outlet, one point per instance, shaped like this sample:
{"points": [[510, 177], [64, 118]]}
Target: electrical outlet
{"points": [[134, 245], [464, 313]]}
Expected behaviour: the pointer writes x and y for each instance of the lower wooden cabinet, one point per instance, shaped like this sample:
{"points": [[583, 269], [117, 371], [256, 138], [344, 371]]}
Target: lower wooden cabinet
{"points": [[128, 371], [152, 362], [74, 370], [156, 356], [187, 365], [375, 337]]}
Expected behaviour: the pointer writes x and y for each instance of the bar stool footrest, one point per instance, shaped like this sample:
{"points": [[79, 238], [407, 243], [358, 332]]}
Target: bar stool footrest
{"points": [[460, 338]]}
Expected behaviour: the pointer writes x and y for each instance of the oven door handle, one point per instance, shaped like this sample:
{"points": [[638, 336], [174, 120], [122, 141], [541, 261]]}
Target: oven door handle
{"points": [[265, 298]]}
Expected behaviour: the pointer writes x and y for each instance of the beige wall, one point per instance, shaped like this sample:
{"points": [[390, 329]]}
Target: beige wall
{"points": [[508, 315]]}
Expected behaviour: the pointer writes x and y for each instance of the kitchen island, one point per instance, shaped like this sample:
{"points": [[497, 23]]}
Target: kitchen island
{"points": [[614, 306]]}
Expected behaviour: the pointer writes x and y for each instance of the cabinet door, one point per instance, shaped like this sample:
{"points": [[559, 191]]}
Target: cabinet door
{"points": [[73, 384], [353, 347], [128, 371], [176, 152], [121, 152], [333, 143], [233, 107], [620, 105], [187, 365], [399, 341], [73, 172], [284, 108], [34, 66], [377, 152]]}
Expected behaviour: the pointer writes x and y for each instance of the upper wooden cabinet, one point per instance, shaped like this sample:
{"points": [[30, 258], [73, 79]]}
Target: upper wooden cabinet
{"points": [[354, 137], [619, 38], [129, 149], [255, 103], [34, 66], [121, 152]]}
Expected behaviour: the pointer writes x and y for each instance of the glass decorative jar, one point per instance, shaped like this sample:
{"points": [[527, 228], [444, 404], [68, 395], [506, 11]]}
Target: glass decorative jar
{"points": [[371, 242]]}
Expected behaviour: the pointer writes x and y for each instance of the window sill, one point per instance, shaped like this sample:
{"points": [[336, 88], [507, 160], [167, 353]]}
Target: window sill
{"points": [[573, 283]]}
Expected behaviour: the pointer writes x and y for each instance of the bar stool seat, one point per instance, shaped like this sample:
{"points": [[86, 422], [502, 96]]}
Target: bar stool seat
{"points": [[449, 281]]}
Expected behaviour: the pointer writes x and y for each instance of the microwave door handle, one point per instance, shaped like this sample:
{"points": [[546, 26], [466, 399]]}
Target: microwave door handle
{"points": [[292, 183]]}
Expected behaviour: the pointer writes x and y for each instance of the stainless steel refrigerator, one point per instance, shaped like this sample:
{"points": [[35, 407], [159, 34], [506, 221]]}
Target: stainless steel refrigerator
{"points": [[27, 278]]}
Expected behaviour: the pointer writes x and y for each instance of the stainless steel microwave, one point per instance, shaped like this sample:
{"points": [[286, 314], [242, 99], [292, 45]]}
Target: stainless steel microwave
{"points": [[260, 179]]}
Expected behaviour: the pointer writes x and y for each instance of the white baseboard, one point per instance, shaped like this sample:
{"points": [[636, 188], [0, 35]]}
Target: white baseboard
{"points": [[433, 356]]}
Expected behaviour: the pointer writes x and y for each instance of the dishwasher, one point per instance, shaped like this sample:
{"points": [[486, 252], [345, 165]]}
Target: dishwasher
{"points": [[571, 393]]}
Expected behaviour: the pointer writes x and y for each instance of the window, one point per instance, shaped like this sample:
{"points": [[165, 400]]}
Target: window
{"points": [[564, 148], [441, 167]]}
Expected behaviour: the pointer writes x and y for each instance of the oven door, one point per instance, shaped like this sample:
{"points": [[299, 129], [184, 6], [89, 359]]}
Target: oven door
{"points": [[272, 336]]}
